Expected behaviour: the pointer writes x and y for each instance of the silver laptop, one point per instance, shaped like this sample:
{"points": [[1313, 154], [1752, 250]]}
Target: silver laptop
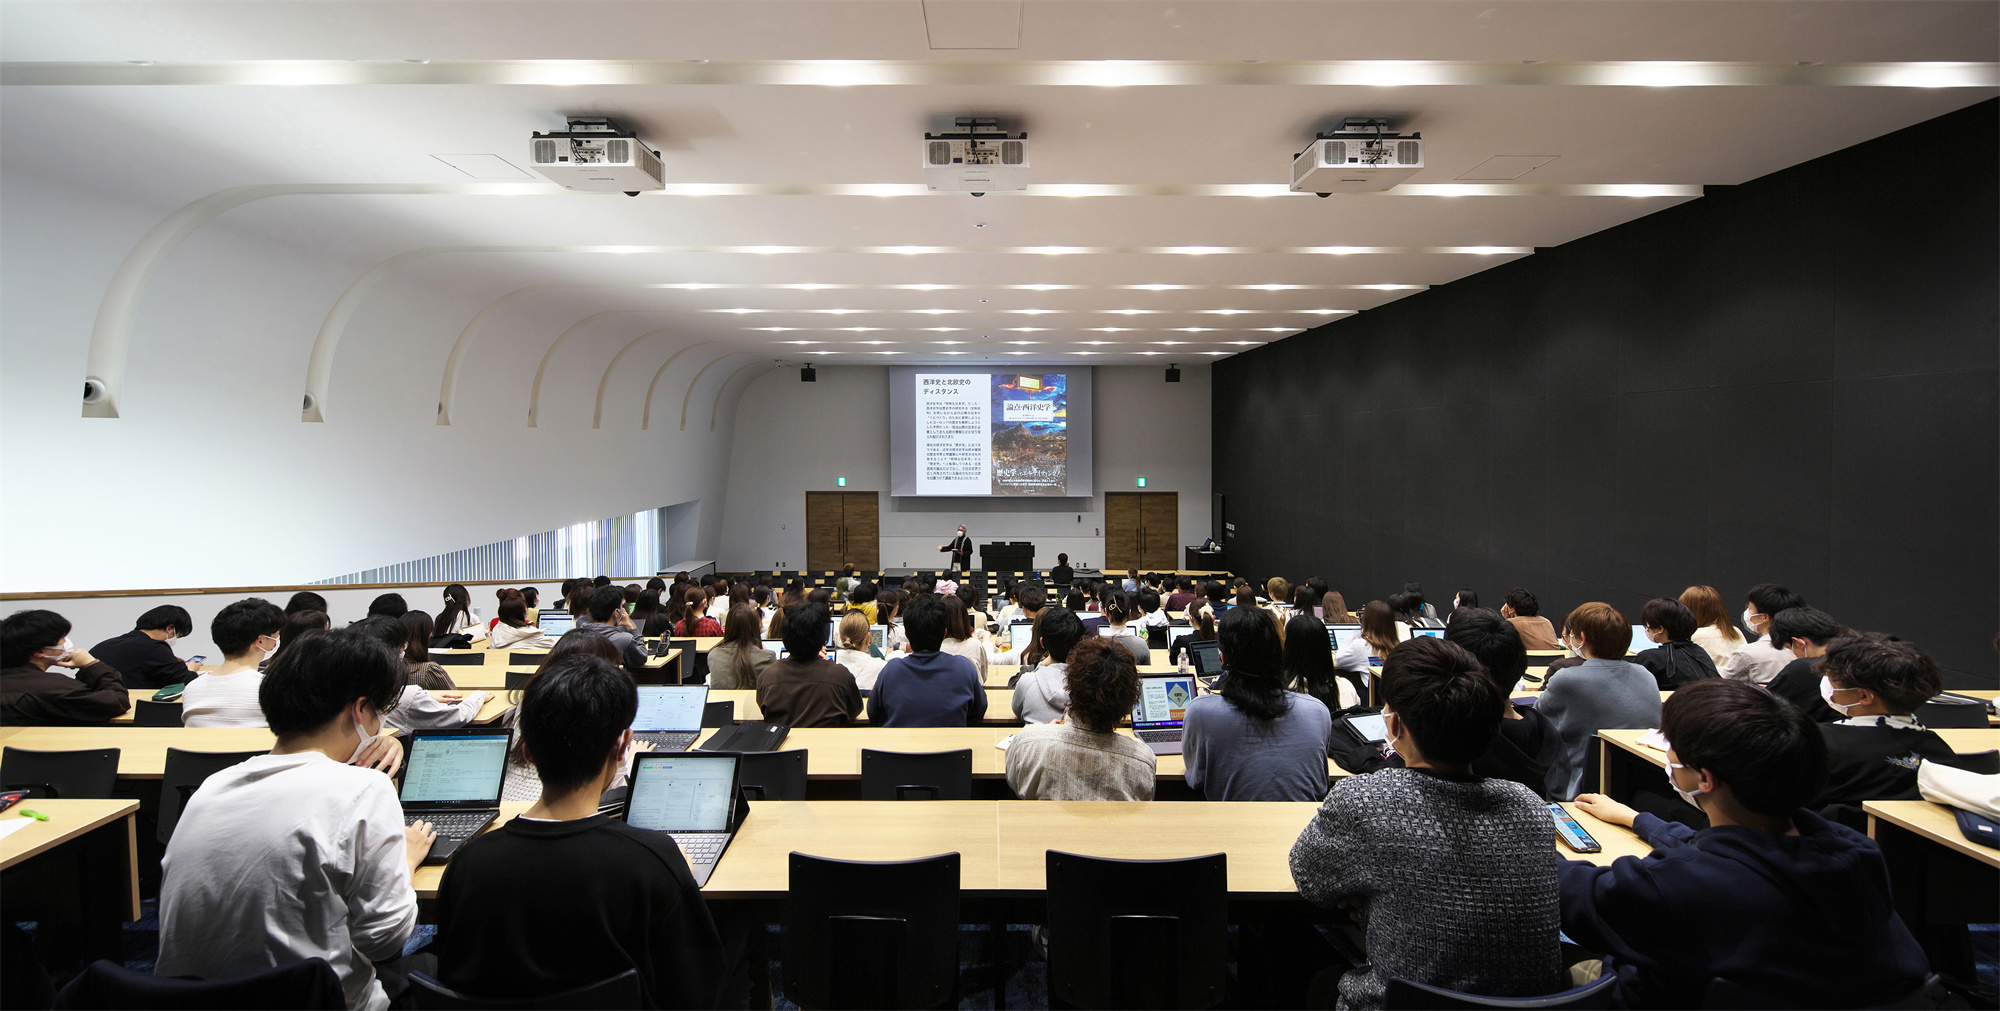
{"points": [[1158, 718], [691, 797], [453, 781], [1339, 635], [556, 622], [669, 716], [1020, 634]]}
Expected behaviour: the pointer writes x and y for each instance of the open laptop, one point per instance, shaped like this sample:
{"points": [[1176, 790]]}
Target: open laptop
{"points": [[1020, 634], [452, 780], [556, 622], [1093, 624], [1158, 716], [1639, 640], [669, 716], [690, 797], [1339, 635], [1205, 657], [1432, 633], [776, 646]]}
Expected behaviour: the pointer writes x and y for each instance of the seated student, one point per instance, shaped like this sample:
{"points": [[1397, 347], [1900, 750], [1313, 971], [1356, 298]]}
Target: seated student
{"points": [[1676, 660], [1255, 741], [1201, 629], [1453, 874], [961, 636], [1041, 694], [1029, 601], [806, 689], [416, 708], [647, 613], [457, 614], [1876, 682], [1713, 630], [694, 621], [1309, 664], [247, 633], [738, 660], [142, 655], [512, 630], [1771, 896], [1182, 596], [1062, 574], [31, 695], [607, 618], [416, 649], [296, 625], [1335, 607], [1760, 660], [1084, 757], [305, 600], [1119, 613], [1151, 615], [927, 687], [296, 854], [857, 652], [388, 605], [1524, 612], [605, 897], [1601, 693], [1378, 639], [1802, 633]]}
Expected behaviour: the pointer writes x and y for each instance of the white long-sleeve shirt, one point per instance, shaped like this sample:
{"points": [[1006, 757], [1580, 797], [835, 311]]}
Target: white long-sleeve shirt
{"points": [[1354, 656], [420, 710], [226, 700], [283, 858]]}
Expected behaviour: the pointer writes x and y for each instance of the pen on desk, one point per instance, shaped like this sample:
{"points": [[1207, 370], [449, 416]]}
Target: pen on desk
{"points": [[37, 815]]}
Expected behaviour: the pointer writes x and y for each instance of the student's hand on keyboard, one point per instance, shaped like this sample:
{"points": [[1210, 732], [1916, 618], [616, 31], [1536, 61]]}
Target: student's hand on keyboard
{"points": [[417, 839], [384, 753], [1605, 809]]}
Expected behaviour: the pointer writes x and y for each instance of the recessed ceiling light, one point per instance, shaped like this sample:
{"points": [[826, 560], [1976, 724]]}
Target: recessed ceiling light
{"points": [[1083, 352], [943, 329], [874, 342], [885, 352], [859, 329], [820, 352], [1032, 312], [1110, 329], [1020, 352], [1275, 329], [1215, 352], [775, 329], [953, 352], [951, 342], [1247, 343], [1194, 329], [802, 342], [1169, 343], [1096, 342], [1149, 352], [1026, 329], [735, 311], [1018, 343]]}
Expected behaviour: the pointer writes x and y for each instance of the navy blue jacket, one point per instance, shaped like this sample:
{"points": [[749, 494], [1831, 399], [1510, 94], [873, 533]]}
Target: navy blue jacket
{"points": [[934, 689], [1807, 916]]}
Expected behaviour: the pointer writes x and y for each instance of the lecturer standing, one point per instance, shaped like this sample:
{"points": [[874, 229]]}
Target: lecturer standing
{"points": [[961, 550]]}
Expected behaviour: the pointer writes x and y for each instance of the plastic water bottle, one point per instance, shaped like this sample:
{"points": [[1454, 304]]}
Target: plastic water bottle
{"points": [[1184, 661]]}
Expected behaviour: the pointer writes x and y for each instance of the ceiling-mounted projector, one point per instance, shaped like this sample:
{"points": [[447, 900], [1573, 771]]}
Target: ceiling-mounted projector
{"points": [[977, 158], [594, 154], [1360, 157]]}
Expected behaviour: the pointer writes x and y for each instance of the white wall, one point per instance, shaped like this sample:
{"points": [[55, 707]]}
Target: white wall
{"points": [[794, 437]]}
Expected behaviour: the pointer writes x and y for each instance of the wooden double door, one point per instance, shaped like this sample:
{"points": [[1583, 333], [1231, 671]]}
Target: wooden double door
{"points": [[1142, 530], [842, 527]]}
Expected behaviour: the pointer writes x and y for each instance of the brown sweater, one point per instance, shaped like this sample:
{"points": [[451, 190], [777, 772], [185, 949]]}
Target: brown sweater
{"points": [[810, 693], [31, 697]]}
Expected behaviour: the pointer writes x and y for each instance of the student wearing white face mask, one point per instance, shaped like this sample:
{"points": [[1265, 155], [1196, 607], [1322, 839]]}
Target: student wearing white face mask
{"points": [[246, 632], [1876, 682], [32, 695], [1759, 661], [1803, 634], [298, 854]]}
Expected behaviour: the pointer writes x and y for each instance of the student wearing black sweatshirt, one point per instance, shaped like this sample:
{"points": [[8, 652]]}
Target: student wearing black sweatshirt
{"points": [[562, 897], [1771, 896], [1876, 682], [1525, 745], [1805, 631]]}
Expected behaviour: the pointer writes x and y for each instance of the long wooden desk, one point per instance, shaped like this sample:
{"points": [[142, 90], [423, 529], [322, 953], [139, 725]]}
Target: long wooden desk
{"points": [[999, 706], [1619, 751], [1003, 845], [92, 849], [496, 703], [836, 751], [142, 751], [1936, 875]]}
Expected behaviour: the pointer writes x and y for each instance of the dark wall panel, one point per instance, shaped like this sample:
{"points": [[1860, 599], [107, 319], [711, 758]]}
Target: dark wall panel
{"points": [[1794, 380]]}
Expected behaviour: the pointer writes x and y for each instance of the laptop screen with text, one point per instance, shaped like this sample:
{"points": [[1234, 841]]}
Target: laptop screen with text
{"points": [[682, 793], [1163, 702], [455, 768], [669, 707]]}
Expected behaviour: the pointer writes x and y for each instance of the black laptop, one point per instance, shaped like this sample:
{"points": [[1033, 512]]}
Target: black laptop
{"points": [[692, 797], [452, 780]]}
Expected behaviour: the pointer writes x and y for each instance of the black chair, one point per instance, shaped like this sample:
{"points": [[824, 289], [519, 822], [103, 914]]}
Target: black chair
{"points": [[517, 680], [1985, 763], [1138, 933], [148, 713], [693, 669], [773, 775], [526, 659], [1728, 995], [618, 992], [1942, 716], [458, 659], [1408, 993], [311, 985], [718, 714], [184, 773], [861, 934], [897, 775], [69, 775]]}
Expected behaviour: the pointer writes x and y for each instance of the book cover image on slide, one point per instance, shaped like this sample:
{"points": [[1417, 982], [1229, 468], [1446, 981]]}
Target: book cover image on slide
{"points": [[1030, 434]]}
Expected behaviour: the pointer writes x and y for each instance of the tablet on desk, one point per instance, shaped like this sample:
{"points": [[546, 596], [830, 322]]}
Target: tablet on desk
{"points": [[1372, 728]]}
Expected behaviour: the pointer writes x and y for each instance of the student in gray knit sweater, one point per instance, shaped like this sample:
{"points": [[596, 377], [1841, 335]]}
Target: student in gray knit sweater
{"points": [[1452, 876]]}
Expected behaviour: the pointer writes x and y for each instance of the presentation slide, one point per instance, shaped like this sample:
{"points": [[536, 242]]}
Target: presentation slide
{"points": [[458, 767], [681, 793], [1163, 700], [958, 432]]}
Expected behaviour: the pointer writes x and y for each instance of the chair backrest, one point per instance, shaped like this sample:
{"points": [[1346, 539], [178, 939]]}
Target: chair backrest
{"points": [[1138, 933], [184, 773], [518, 679], [1408, 993], [526, 659], [1985, 763], [898, 775], [458, 659], [618, 992], [90, 774], [719, 714], [148, 713], [1940, 716], [773, 775], [309, 985], [864, 934]]}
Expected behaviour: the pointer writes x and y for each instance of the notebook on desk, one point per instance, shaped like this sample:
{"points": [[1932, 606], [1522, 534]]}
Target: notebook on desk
{"points": [[452, 781], [669, 716], [692, 798], [1159, 715]]}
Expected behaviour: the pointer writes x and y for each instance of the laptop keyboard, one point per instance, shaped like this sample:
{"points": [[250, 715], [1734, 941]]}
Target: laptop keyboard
{"points": [[1158, 736], [452, 824], [704, 848], [669, 740]]}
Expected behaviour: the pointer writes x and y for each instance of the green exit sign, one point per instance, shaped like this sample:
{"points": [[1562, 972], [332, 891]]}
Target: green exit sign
{"points": [[840, 482], [1142, 482]]}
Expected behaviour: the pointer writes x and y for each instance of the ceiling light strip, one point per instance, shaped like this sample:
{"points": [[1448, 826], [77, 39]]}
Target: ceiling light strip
{"points": [[1077, 73], [1077, 190]]}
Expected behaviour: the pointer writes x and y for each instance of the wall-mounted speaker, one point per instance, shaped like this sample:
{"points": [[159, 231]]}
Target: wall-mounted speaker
{"points": [[1173, 373], [807, 375]]}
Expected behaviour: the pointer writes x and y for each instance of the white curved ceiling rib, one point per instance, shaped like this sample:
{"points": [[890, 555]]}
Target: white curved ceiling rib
{"points": [[688, 397], [597, 414], [716, 408]]}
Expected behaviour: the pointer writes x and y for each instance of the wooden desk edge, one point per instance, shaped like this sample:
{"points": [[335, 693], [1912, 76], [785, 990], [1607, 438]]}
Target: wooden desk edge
{"points": [[1882, 810]]}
